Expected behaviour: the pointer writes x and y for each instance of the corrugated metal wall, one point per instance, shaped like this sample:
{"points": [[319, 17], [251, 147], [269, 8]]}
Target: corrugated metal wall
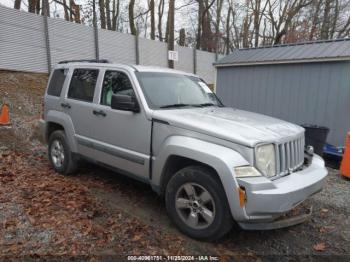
{"points": [[22, 42], [314, 93], [23, 48]]}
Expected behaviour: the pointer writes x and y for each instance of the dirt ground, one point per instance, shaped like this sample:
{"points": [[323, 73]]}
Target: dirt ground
{"points": [[101, 214]]}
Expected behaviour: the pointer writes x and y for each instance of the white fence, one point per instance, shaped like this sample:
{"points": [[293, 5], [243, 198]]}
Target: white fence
{"points": [[23, 46]]}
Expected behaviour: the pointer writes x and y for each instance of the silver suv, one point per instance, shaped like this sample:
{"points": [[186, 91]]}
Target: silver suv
{"points": [[213, 164]]}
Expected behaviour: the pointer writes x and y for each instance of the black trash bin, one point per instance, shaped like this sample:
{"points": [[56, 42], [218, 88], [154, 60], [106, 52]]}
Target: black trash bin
{"points": [[316, 136]]}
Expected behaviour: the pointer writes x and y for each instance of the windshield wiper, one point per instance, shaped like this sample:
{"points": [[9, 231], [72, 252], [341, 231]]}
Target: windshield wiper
{"points": [[183, 105], [205, 104], [175, 105]]}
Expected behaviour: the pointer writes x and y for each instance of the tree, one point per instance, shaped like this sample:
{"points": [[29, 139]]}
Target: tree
{"points": [[31, 6], [281, 16], [326, 20], [217, 23], [108, 15], [258, 11], [102, 13], [17, 4], [131, 17], [153, 26], [182, 38], [204, 33], [65, 8], [314, 14], [115, 14], [160, 17]]}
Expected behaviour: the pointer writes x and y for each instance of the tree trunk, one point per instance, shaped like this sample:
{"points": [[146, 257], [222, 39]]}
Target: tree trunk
{"points": [[171, 29], [167, 29], [76, 9], [153, 29], [160, 17], [31, 6], [325, 22], [65, 8], [199, 29], [108, 14], [217, 25], [102, 13], [37, 7], [182, 39], [131, 17], [315, 19], [17, 4], [227, 40], [115, 15]]}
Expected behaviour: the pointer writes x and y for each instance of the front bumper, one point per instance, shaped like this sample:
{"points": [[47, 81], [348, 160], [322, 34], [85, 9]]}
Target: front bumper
{"points": [[266, 200]]}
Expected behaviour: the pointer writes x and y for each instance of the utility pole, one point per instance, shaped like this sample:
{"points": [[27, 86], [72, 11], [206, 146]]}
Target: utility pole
{"points": [[171, 30]]}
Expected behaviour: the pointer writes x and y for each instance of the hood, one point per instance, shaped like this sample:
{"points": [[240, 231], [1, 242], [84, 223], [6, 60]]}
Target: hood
{"points": [[231, 124]]}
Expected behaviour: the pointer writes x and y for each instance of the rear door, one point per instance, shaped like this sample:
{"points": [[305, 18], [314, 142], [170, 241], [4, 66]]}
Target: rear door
{"points": [[78, 104]]}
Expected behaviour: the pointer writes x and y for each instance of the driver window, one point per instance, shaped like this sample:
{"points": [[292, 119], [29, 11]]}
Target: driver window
{"points": [[115, 82]]}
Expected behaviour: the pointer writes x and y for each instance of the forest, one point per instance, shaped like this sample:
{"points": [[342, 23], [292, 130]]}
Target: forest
{"points": [[211, 25]]}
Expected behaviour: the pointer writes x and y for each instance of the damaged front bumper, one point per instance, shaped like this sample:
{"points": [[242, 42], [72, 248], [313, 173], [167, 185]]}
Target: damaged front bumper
{"points": [[267, 200]]}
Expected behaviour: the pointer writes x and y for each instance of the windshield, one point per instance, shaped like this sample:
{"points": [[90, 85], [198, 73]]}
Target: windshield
{"points": [[167, 90]]}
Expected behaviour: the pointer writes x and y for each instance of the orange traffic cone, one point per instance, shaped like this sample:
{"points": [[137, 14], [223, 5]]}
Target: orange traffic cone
{"points": [[5, 116], [345, 163]]}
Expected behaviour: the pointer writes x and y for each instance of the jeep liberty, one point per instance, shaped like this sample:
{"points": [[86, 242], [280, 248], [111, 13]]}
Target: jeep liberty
{"points": [[214, 165]]}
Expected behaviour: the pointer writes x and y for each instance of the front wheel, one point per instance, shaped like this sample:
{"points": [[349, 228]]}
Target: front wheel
{"points": [[197, 204]]}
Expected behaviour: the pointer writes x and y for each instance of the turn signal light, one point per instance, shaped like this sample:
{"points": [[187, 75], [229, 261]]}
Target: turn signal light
{"points": [[242, 196]]}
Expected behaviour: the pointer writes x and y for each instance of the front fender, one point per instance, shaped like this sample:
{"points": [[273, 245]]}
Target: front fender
{"points": [[65, 121], [221, 158]]}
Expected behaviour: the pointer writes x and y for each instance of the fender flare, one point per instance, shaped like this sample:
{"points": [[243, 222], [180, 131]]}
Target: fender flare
{"points": [[65, 121], [220, 158]]}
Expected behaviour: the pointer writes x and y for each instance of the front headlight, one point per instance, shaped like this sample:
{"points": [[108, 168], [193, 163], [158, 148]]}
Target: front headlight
{"points": [[246, 171], [266, 160]]}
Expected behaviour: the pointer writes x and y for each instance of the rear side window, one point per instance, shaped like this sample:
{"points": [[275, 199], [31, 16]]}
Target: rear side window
{"points": [[82, 85], [56, 82]]}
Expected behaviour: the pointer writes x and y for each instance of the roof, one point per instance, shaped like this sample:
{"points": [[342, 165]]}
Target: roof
{"points": [[316, 51]]}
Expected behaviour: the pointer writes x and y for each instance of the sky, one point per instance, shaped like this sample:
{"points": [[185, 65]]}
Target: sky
{"points": [[183, 17]]}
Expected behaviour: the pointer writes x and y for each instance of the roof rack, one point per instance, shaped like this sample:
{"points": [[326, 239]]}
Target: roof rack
{"points": [[105, 61]]}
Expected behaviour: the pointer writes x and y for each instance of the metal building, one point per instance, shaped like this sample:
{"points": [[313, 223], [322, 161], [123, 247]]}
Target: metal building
{"points": [[301, 83]]}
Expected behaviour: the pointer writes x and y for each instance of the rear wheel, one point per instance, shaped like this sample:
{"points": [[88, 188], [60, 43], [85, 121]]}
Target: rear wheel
{"points": [[60, 155], [196, 202]]}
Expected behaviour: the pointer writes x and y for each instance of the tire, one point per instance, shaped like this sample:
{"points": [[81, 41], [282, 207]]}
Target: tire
{"points": [[191, 217], [60, 155]]}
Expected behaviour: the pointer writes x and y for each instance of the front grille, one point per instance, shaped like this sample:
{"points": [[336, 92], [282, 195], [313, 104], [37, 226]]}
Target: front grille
{"points": [[290, 155]]}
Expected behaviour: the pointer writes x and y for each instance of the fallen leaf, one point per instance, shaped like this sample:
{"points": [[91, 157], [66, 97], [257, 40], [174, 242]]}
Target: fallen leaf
{"points": [[319, 247], [136, 238]]}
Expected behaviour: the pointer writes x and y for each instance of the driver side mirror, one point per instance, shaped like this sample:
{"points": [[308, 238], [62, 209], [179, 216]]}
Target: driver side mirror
{"points": [[125, 103]]}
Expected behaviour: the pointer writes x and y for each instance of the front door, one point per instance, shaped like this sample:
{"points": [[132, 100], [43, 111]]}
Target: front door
{"points": [[122, 138]]}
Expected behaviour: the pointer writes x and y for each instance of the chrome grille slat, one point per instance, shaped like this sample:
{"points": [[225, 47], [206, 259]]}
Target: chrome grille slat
{"points": [[283, 158], [289, 155]]}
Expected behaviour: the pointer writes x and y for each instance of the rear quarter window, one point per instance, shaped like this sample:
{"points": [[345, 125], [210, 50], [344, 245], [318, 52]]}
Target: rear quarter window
{"points": [[56, 82]]}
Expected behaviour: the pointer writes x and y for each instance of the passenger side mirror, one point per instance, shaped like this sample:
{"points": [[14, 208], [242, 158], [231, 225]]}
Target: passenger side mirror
{"points": [[125, 102]]}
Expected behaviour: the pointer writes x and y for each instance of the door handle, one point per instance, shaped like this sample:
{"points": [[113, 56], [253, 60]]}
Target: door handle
{"points": [[65, 105], [99, 112]]}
